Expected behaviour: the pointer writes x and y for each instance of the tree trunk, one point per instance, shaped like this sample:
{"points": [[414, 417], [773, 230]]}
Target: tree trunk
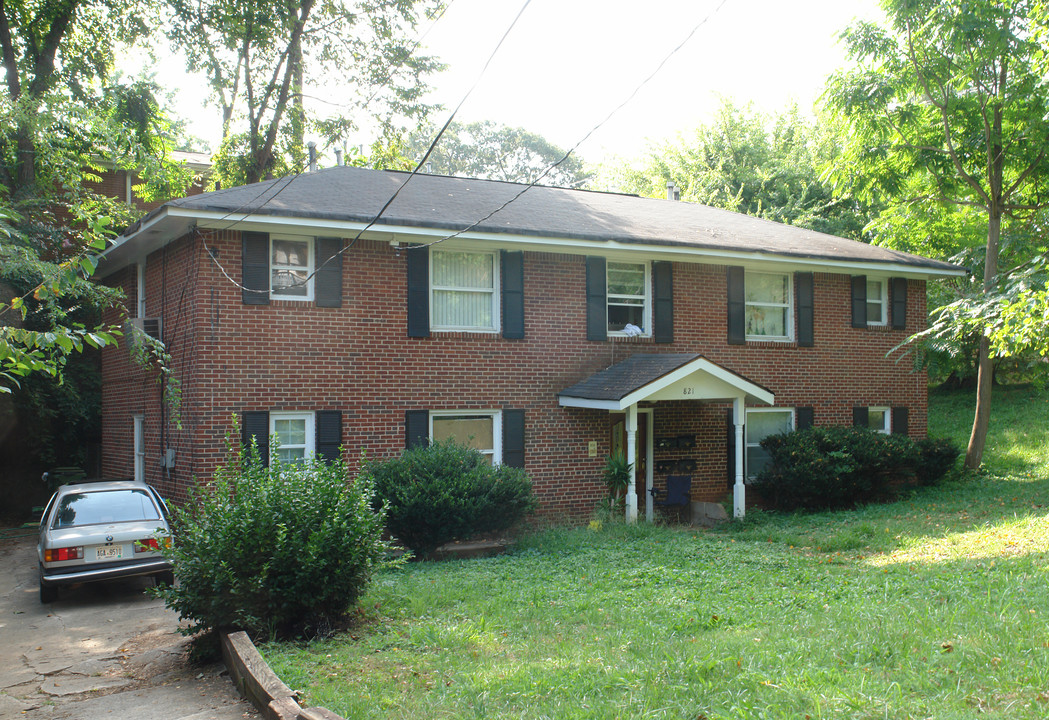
{"points": [[985, 370]]}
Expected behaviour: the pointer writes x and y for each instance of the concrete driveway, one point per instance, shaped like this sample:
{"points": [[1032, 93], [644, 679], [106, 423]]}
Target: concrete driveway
{"points": [[101, 651]]}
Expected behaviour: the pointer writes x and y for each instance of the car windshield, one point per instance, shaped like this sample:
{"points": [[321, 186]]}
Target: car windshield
{"points": [[107, 506]]}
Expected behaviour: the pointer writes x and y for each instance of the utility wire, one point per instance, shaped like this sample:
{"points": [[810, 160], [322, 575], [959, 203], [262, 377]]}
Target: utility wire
{"points": [[586, 137], [413, 173], [251, 206], [533, 182]]}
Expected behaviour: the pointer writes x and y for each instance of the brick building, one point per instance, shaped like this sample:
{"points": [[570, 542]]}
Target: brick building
{"points": [[551, 328]]}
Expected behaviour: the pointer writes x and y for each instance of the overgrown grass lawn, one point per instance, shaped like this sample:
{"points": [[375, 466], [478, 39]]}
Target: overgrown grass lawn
{"points": [[932, 607]]}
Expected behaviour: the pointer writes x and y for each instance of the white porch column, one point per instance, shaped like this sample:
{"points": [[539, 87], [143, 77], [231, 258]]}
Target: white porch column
{"points": [[649, 464], [631, 457], [739, 490]]}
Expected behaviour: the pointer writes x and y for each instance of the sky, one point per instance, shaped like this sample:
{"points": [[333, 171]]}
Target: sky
{"points": [[567, 64]]}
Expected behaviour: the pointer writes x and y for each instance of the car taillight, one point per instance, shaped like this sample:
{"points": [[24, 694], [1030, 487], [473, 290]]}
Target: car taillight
{"points": [[63, 554], [147, 545], [152, 544]]}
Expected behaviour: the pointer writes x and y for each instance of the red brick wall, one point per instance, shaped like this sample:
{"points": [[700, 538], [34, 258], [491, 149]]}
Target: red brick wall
{"points": [[289, 356]]}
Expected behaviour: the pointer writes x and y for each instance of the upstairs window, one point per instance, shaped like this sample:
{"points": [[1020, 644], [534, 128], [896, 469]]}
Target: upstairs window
{"points": [[291, 268], [463, 287], [768, 306], [628, 298], [877, 302]]}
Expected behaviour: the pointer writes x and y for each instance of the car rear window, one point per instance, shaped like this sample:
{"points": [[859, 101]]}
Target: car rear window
{"points": [[107, 506]]}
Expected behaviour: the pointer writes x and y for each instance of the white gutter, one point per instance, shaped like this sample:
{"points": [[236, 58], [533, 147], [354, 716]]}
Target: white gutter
{"points": [[610, 248]]}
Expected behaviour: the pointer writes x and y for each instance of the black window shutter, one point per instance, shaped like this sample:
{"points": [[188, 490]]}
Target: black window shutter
{"points": [[512, 275], [663, 301], [859, 301], [596, 299], [327, 282], [257, 424], [899, 420], [737, 306], [255, 268], [899, 303], [806, 315], [730, 444], [418, 292], [860, 417], [416, 428], [804, 417], [513, 438], [329, 434]]}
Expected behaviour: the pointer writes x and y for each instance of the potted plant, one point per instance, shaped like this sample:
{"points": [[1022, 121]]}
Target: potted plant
{"points": [[617, 476]]}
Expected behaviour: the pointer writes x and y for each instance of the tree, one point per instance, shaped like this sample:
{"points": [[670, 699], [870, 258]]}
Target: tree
{"points": [[766, 166], [61, 120], [491, 151], [950, 100], [259, 56]]}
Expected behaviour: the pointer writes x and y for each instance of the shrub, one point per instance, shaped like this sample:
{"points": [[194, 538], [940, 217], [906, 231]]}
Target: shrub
{"points": [[835, 467], [936, 457], [280, 550], [447, 491]]}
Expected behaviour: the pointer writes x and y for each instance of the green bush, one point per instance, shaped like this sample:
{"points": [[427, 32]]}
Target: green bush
{"points": [[445, 492], [836, 467], [282, 550], [936, 457]]}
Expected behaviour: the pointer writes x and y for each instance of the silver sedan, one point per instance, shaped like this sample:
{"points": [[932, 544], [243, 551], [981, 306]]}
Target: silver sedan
{"points": [[102, 531]]}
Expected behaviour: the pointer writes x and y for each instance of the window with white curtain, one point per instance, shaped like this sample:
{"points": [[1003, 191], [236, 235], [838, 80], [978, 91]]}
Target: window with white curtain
{"points": [[463, 290], [769, 309], [291, 268]]}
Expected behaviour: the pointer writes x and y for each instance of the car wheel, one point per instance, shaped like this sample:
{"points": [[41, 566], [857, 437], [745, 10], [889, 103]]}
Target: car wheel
{"points": [[48, 593], [164, 578]]}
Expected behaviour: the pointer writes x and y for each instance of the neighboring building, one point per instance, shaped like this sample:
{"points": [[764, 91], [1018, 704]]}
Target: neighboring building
{"points": [[120, 184], [551, 327]]}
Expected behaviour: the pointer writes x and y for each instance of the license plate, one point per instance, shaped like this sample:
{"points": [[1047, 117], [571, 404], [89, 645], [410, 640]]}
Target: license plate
{"points": [[109, 553]]}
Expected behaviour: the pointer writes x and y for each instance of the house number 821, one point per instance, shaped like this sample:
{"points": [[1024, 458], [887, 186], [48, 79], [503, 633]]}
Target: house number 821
{"points": [[688, 391]]}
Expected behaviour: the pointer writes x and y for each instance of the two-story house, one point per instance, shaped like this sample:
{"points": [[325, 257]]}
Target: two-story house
{"points": [[357, 311]]}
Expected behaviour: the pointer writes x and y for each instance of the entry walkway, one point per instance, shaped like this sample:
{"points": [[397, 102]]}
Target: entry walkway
{"points": [[100, 651]]}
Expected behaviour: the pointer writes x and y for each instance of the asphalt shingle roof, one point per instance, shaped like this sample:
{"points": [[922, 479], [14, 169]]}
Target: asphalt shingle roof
{"points": [[452, 204], [623, 378]]}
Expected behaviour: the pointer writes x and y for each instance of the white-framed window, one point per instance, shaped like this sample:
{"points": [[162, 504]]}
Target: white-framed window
{"points": [[140, 448], [877, 302], [769, 306], [291, 267], [628, 292], [760, 423], [481, 430], [879, 419], [140, 292], [295, 436], [464, 290]]}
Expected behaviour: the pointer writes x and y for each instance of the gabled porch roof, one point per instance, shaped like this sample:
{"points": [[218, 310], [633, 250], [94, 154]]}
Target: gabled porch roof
{"points": [[663, 376]]}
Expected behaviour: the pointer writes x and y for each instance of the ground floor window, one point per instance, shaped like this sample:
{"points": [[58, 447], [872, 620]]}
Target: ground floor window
{"points": [[879, 419], [295, 436], [479, 430], [760, 423]]}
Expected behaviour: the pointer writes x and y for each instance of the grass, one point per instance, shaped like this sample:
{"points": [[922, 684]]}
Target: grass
{"points": [[931, 607]]}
